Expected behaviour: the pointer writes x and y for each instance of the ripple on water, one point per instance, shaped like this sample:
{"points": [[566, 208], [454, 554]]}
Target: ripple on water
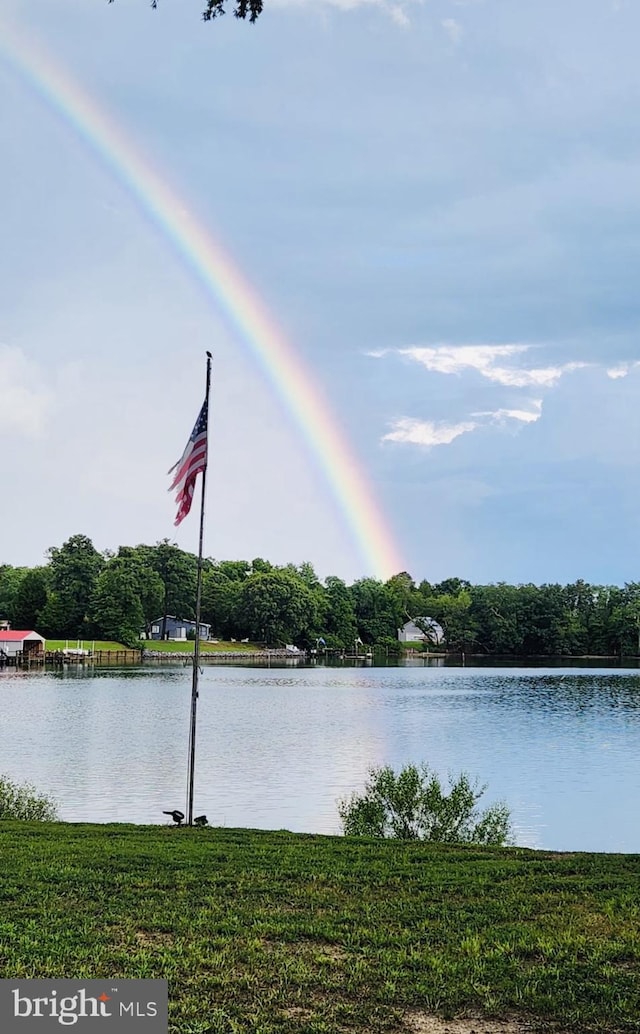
{"points": [[277, 747]]}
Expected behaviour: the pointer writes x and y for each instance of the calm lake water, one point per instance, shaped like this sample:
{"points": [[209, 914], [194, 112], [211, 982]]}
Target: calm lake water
{"points": [[278, 746]]}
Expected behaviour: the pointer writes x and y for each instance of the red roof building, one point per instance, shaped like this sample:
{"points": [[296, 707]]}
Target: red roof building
{"points": [[25, 642]]}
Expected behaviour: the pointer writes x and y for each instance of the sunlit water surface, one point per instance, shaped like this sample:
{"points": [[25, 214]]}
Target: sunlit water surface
{"points": [[276, 747]]}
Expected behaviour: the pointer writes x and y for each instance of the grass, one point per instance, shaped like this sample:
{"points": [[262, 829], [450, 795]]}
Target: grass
{"points": [[148, 644], [262, 932], [84, 644], [205, 647]]}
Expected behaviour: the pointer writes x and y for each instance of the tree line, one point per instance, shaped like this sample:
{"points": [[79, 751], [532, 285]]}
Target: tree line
{"points": [[81, 593]]}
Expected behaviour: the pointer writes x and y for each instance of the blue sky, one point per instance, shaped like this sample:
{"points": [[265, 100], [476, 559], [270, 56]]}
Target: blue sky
{"points": [[439, 203]]}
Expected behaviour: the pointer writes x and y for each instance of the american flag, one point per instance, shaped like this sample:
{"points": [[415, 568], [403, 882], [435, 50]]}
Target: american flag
{"points": [[191, 463]]}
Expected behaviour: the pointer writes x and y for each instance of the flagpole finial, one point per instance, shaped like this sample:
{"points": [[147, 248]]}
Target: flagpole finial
{"points": [[209, 355]]}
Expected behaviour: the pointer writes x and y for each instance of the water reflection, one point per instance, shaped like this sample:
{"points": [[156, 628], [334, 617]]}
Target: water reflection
{"points": [[277, 746]]}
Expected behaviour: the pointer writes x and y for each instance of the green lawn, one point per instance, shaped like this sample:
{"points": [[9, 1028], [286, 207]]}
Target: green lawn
{"points": [[205, 647], [84, 644], [148, 644], [262, 932]]}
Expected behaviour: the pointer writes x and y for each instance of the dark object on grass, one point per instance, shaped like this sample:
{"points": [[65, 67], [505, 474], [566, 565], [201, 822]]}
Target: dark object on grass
{"points": [[200, 820], [177, 816]]}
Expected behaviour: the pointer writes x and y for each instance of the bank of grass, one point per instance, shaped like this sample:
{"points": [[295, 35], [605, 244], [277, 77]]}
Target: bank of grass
{"points": [[83, 644], [149, 644], [205, 647], [262, 932]]}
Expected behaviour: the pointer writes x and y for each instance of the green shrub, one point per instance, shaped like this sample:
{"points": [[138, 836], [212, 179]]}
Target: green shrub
{"points": [[22, 801], [413, 806], [391, 647]]}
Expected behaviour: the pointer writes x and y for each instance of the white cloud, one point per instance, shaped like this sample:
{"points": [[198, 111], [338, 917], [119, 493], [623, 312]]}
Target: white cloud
{"points": [[500, 364], [411, 431], [620, 370], [525, 416], [399, 15], [396, 11], [454, 359], [426, 432], [25, 399], [541, 377], [453, 29]]}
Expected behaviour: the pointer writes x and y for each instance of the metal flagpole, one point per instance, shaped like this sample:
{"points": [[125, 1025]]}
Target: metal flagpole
{"points": [[196, 650]]}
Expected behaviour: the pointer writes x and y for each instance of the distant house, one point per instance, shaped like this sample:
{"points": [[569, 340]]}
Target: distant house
{"points": [[29, 644], [411, 633], [178, 629]]}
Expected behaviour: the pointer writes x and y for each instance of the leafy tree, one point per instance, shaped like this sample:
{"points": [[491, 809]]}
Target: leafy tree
{"points": [[23, 801], [277, 607], [149, 584], [260, 566], [412, 805], [579, 603], [550, 620], [234, 570], [10, 581], [251, 9], [623, 621], [62, 599], [305, 572], [375, 610], [220, 600], [75, 567], [178, 573], [52, 617], [451, 587], [430, 630], [493, 608], [31, 599], [308, 574], [408, 601], [390, 647], [454, 614], [315, 628], [339, 620], [573, 633], [128, 595], [116, 607]]}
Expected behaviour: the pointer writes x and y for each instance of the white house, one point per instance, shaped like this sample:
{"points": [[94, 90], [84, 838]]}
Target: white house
{"points": [[26, 643], [410, 633]]}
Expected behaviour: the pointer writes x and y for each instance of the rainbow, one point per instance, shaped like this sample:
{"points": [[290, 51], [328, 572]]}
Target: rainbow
{"points": [[225, 285]]}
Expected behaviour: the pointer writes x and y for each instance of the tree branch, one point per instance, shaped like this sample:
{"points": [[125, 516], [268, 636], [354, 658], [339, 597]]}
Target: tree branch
{"points": [[250, 9]]}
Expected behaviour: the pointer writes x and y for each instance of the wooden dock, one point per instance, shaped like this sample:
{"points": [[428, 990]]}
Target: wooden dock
{"points": [[62, 659]]}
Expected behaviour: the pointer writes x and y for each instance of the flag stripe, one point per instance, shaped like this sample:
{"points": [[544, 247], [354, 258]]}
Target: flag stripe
{"points": [[198, 463], [185, 501], [200, 468], [198, 450], [192, 462]]}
